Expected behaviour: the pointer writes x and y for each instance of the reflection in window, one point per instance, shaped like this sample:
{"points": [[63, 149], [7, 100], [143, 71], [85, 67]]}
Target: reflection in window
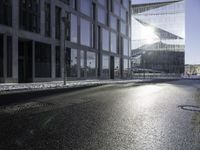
{"points": [[91, 64], [71, 62], [125, 47], [125, 68], [116, 8], [101, 15], [123, 28], [113, 42], [102, 2], [82, 63], [85, 7], [74, 29], [105, 40], [105, 66], [85, 32], [113, 22], [42, 60], [123, 14], [117, 67]]}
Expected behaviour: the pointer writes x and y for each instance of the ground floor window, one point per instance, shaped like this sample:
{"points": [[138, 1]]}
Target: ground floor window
{"points": [[105, 66], [125, 68], [1, 55], [117, 67], [91, 64], [58, 62], [82, 63], [72, 68], [42, 60], [9, 56]]}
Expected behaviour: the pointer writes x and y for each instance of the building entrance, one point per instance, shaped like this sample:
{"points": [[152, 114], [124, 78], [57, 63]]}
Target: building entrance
{"points": [[112, 67]]}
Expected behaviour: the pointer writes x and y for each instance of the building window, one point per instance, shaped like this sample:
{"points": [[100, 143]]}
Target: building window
{"points": [[42, 60], [93, 36], [47, 19], [73, 29], [125, 68], [58, 22], [9, 56], [85, 7], [105, 66], [117, 67], [74, 4], [113, 22], [82, 63], [123, 28], [113, 42], [126, 3], [85, 32], [102, 2], [6, 12], [71, 62], [116, 8], [101, 15], [1, 55], [29, 15], [125, 47], [123, 14], [58, 62], [91, 64], [105, 40]]}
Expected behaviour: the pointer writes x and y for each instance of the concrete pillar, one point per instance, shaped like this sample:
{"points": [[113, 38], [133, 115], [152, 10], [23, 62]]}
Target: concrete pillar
{"points": [[15, 23], [4, 57]]}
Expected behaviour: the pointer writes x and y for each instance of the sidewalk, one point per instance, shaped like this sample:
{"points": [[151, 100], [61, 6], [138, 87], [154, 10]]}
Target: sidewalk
{"points": [[23, 87]]}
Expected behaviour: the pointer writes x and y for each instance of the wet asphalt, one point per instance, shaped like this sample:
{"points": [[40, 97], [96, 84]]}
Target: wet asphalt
{"points": [[111, 117]]}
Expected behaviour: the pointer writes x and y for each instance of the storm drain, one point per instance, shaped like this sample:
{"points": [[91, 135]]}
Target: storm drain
{"points": [[31, 106], [190, 108]]}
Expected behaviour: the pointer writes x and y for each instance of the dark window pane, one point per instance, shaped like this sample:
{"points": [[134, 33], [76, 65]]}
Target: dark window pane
{"points": [[47, 19], [58, 22], [58, 62], [1, 55], [9, 56], [29, 14], [42, 60], [6, 12], [72, 62], [91, 64]]}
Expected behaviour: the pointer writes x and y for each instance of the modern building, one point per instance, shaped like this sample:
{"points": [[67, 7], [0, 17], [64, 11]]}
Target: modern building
{"points": [[158, 41], [40, 38], [192, 70]]}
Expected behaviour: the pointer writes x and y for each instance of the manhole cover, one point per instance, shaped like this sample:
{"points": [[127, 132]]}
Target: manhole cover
{"points": [[190, 108]]}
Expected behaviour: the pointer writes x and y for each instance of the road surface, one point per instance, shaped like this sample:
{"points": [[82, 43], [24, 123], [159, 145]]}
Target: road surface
{"points": [[112, 117]]}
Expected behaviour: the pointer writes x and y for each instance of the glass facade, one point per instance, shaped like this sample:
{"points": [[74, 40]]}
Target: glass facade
{"points": [[29, 15], [105, 66], [91, 64], [73, 29], [6, 12], [85, 32], [85, 7], [105, 40], [42, 60], [92, 43], [158, 44]]}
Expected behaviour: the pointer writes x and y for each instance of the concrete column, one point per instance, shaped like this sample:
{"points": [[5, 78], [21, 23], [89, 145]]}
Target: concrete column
{"points": [[33, 61], [53, 62], [15, 23], [62, 43]]}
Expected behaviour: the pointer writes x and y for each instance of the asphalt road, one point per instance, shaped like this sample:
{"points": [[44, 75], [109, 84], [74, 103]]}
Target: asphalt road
{"points": [[111, 117]]}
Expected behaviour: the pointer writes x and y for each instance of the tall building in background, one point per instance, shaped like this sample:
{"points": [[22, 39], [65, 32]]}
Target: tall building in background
{"points": [[32, 35], [158, 37]]}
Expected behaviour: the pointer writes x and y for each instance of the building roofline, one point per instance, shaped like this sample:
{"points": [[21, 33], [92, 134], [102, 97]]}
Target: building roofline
{"points": [[155, 3]]}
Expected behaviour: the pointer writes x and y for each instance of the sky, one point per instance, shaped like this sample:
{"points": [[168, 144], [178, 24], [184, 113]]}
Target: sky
{"points": [[192, 51]]}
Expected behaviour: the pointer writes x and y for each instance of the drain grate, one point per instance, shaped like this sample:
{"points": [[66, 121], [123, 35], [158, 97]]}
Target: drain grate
{"points": [[190, 108], [31, 106]]}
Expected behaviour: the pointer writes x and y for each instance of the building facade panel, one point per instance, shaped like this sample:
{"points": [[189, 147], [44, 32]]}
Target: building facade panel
{"points": [[37, 44]]}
